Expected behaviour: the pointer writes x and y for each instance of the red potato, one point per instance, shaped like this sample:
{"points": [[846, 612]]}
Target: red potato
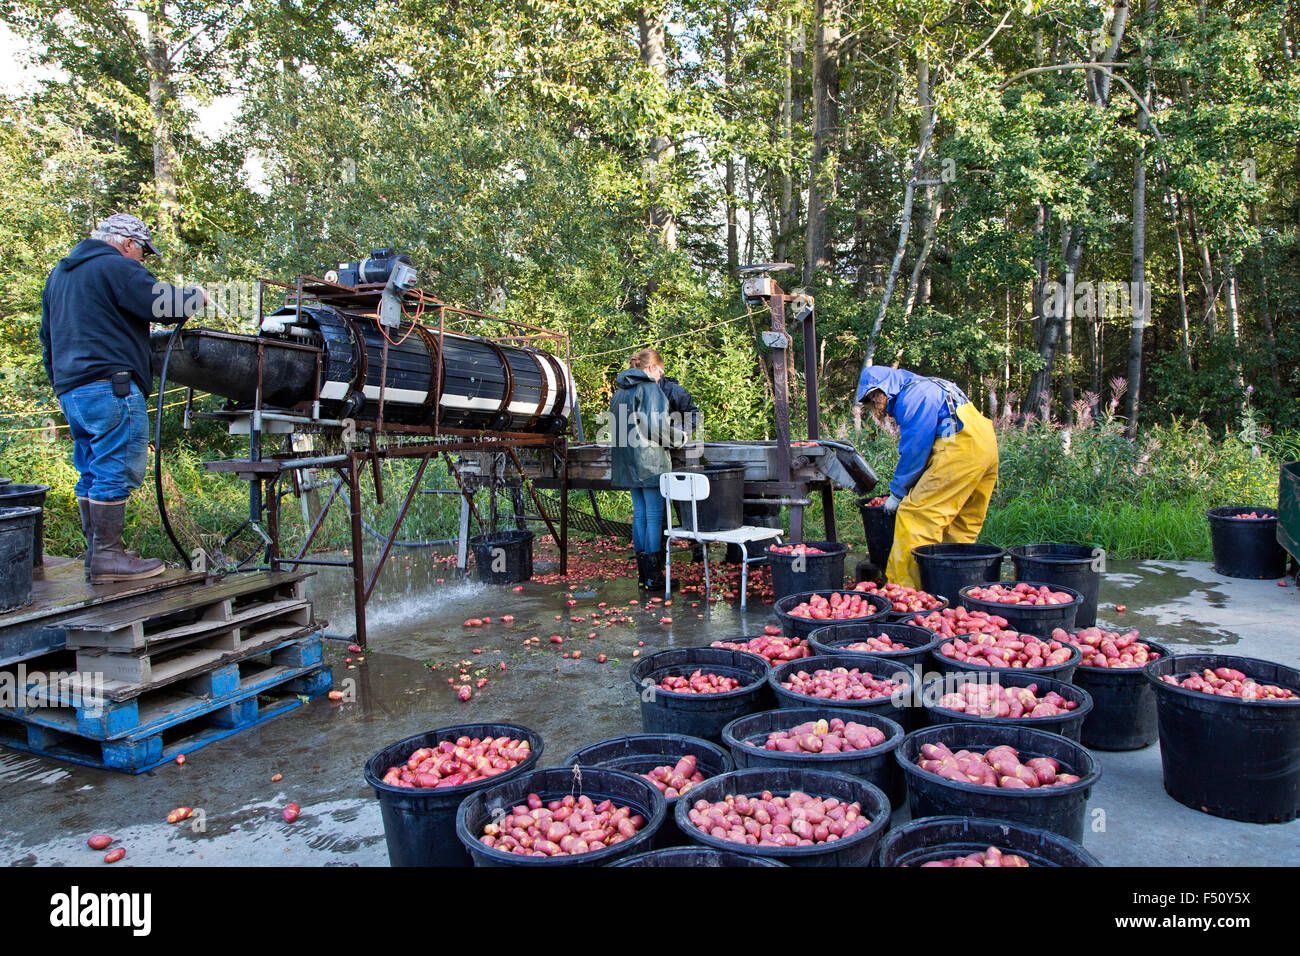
{"points": [[999, 767], [1107, 648], [993, 700], [775, 649], [1021, 593], [100, 841], [795, 549], [675, 780], [1006, 649], [564, 827], [699, 683], [838, 607], [794, 820], [112, 856], [990, 857], [823, 736], [957, 621], [901, 596], [880, 644], [1228, 682], [451, 763], [840, 684], [1253, 516], [877, 502], [290, 813], [179, 814]]}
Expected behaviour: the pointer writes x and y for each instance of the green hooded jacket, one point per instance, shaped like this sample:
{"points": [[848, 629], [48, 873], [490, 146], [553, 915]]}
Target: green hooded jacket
{"points": [[641, 432]]}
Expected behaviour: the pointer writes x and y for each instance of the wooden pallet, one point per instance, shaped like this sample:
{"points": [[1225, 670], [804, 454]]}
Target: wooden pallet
{"points": [[143, 733], [185, 611]]}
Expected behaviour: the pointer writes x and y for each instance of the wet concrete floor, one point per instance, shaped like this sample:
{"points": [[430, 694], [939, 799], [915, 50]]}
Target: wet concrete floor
{"points": [[418, 639]]}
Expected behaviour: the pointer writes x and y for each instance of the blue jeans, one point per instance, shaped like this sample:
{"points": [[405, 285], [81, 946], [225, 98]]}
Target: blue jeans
{"points": [[110, 437], [647, 519]]}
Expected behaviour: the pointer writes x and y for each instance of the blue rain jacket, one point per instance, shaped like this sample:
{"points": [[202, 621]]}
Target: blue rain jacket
{"points": [[925, 409]]}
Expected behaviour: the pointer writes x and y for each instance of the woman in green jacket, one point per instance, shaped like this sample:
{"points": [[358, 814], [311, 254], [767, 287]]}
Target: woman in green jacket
{"points": [[642, 431]]}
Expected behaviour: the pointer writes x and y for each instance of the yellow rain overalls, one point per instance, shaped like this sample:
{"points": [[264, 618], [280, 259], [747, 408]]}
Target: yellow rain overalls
{"points": [[948, 503]]}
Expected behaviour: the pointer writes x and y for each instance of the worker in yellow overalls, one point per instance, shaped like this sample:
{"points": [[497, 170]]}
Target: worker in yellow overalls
{"points": [[947, 463]]}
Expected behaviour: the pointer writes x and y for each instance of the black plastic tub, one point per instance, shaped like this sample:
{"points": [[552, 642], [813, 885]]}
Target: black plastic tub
{"points": [[876, 765], [797, 573], [641, 753], [1069, 724], [1246, 547], [29, 496], [1123, 705], [878, 524], [803, 626], [947, 568], [420, 824], [897, 707], [625, 789], [503, 558], [942, 838], [16, 555], [1076, 566], [920, 641], [1232, 758], [694, 856], [855, 850], [1059, 810], [1062, 672], [724, 509], [698, 715], [1037, 619]]}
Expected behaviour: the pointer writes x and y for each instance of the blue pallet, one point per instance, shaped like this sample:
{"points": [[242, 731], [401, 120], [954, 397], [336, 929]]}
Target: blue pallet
{"points": [[116, 720], [146, 748]]}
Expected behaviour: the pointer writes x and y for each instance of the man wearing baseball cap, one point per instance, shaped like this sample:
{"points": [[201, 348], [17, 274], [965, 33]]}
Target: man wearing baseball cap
{"points": [[95, 314]]}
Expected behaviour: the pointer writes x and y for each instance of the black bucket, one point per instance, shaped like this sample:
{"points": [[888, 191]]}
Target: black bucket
{"points": [[1246, 547], [920, 641], [641, 753], [624, 789], [942, 838], [1037, 619], [818, 572], [724, 509], [1060, 809], [503, 558], [1232, 758], [1068, 724], [420, 823], [694, 856], [698, 715], [879, 527], [1123, 706], [855, 850], [948, 665], [947, 568], [803, 626], [1076, 566], [33, 496], [16, 555], [876, 765], [901, 713]]}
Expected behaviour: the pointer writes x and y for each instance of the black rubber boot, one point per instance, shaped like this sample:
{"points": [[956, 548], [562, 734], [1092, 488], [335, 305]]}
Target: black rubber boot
{"points": [[109, 561], [83, 506], [642, 569], [655, 571]]}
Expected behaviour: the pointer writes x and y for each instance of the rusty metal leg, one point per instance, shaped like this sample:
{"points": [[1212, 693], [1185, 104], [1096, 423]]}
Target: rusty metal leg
{"points": [[358, 545], [397, 525], [828, 511], [564, 511]]}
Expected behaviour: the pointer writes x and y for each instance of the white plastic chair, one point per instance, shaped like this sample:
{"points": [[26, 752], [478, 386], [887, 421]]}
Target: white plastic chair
{"points": [[694, 487]]}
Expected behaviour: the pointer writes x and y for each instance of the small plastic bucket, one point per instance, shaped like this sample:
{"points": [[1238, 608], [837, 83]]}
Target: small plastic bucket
{"points": [[503, 558], [942, 838], [1246, 547], [796, 573], [947, 568], [1076, 566]]}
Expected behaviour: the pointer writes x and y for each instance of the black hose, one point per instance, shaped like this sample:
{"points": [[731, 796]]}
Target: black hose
{"points": [[157, 448]]}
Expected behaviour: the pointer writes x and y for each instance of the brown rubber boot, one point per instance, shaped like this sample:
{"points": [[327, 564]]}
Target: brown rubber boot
{"points": [[109, 562], [83, 506]]}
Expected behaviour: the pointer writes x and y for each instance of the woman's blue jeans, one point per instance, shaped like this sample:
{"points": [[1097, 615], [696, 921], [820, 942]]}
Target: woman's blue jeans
{"points": [[647, 520]]}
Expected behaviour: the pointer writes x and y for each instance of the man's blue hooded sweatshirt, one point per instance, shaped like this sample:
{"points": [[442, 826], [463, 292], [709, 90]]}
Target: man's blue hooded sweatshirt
{"points": [[920, 406], [95, 315]]}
